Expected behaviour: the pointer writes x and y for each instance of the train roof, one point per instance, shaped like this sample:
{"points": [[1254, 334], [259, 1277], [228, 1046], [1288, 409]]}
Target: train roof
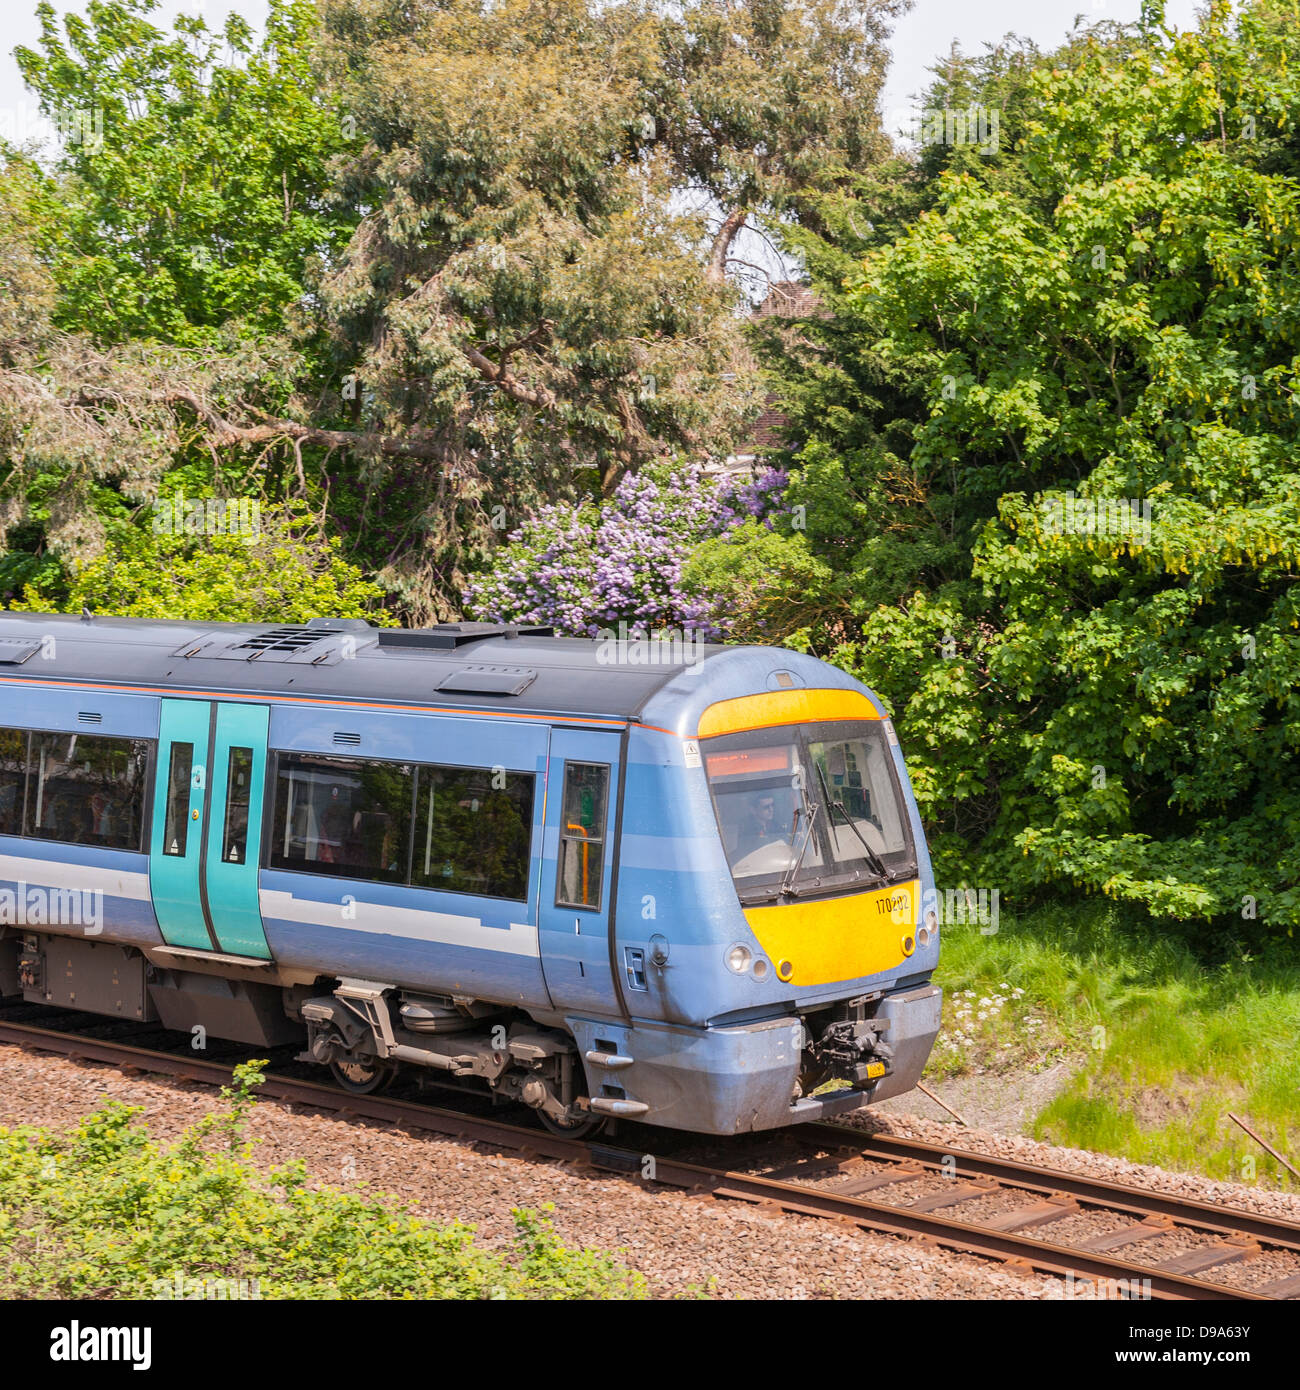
{"points": [[478, 666]]}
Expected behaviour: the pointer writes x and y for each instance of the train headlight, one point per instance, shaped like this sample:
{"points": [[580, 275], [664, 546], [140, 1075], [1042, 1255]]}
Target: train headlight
{"points": [[738, 959]]}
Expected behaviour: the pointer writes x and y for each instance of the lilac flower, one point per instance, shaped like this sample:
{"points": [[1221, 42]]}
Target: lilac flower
{"points": [[582, 567]]}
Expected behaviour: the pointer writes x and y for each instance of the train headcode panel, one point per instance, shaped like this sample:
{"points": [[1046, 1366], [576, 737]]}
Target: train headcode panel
{"points": [[684, 886]]}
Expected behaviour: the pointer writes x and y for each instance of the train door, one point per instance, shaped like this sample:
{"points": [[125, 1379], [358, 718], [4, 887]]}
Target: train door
{"points": [[207, 826], [577, 875]]}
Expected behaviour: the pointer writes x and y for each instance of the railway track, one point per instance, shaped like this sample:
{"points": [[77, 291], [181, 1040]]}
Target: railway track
{"points": [[1139, 1242]]}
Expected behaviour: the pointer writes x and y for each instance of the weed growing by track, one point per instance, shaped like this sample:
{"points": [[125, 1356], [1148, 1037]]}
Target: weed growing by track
{"points": [[104, 1211]]}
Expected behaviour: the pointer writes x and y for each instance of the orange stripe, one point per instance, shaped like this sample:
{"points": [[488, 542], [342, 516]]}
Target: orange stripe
{"points": [[784, 707], [181, 693]]}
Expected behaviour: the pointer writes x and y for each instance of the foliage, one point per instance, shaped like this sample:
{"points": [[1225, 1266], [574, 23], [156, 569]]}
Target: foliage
{"points": [[89, 432], [105, 1211], [1158, 1029], [764, 107], [285, 571], [416, 263], [1085, 706], [587, 567], [523, 296], [192, 187]]}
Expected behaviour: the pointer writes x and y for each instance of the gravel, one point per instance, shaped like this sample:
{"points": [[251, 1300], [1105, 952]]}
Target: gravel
{"points": [[680, 1243]]}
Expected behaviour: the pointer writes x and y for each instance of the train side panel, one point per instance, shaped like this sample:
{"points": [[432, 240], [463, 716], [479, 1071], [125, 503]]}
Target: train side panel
{"points": [[75, 882], [421, 938]]}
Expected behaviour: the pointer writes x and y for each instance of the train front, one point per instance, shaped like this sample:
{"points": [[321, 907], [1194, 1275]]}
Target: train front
{"points": [[795, 966]]}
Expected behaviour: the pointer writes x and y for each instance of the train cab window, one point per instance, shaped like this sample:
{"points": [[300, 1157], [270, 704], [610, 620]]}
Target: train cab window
{"points": [[13, 780], [239, 788], [341, 816], [87, 790], [473, 829], [582, 835], [176, 822], [815, 808]]}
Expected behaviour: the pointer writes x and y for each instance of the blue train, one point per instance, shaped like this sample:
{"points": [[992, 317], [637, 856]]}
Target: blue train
{"points": [[602, 878]]}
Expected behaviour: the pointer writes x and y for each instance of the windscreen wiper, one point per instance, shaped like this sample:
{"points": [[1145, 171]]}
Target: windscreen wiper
{"points": [[787, 881], [874, 861]]}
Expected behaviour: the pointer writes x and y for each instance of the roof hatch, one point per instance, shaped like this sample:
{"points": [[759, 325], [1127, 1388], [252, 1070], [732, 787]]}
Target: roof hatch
{"points": [[489, 680]]}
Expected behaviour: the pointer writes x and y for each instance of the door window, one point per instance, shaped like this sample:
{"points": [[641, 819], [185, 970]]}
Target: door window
{"points": [[239, 790], [176, 826], [582, 835]]}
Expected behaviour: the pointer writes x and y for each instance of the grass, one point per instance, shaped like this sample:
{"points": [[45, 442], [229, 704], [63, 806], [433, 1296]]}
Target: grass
{"points": [[1170, 1027]]}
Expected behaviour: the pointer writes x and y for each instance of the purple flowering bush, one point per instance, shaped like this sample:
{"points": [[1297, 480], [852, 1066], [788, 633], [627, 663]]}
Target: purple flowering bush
{"points": [[586, 566]]}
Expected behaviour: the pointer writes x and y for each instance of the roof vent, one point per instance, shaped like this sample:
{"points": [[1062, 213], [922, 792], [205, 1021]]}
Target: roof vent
{"points": [[449, 636], [346, 739], [89, 716], [15, 650], [324, 643], [489, 680], [279, 639]]}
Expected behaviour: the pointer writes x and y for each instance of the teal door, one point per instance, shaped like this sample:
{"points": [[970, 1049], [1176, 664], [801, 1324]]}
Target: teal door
{"points": [[207, 826], [179, 801]]}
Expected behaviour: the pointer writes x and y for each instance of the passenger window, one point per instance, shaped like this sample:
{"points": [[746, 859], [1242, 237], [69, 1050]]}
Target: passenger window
{"points": [[473, 830], [342, 817], [239, 788], [176, 823], [13, 780], [582, 835], [88, 790]]}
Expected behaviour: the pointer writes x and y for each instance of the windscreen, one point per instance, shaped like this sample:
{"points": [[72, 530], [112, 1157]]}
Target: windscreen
{"points": [[808, 809]]}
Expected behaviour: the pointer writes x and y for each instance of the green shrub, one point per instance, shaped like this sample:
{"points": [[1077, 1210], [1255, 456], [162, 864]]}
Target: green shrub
{"points": [[105, 1211]]}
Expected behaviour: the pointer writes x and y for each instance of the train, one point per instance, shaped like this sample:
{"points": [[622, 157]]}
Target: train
{"points": [[603, 878]]}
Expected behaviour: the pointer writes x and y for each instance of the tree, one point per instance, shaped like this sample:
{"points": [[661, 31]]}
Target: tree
{"points": [[765, 102], [191, 189], [1078, 591], [424, 266], [281, 570], [521, 299]]}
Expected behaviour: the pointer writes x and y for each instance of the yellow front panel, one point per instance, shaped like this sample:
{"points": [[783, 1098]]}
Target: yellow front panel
{"points": [[783, 707], [834, 939]]}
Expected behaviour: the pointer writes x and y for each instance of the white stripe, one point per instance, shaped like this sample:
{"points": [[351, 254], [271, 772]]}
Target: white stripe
{"points": [[81, 878], [444, 928]]}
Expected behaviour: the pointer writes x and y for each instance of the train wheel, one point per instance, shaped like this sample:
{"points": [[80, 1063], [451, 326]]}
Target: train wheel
{"points": [[361, 1078], [578, 1129]]}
